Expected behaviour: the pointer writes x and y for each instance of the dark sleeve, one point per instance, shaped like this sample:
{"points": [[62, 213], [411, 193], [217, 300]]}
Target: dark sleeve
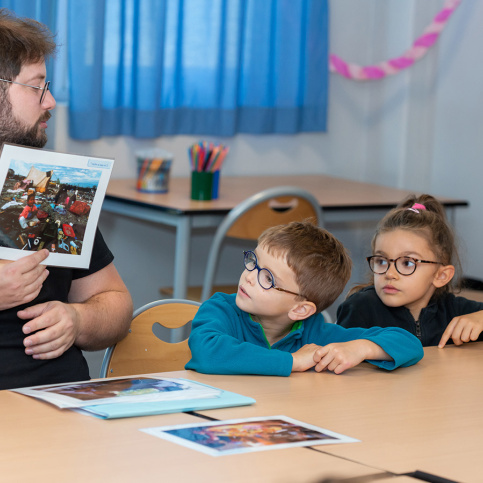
{"points": [[101, 257], [353, 312], [463, 306]]}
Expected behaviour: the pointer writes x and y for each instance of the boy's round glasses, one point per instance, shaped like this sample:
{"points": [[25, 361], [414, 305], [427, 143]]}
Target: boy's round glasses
{"points": [[404, 265], [43, 89], [265, 277]]}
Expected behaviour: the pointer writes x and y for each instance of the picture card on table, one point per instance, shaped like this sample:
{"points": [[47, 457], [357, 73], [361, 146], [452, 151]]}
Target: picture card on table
{"points": [[125, 397], [247, 435]]}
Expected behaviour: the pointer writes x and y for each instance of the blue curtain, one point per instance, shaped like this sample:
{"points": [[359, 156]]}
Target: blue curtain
{"points": [[218, 67]]}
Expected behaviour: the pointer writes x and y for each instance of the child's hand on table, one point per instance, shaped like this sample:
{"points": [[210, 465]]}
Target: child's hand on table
{"points": [[303, 359], [465, 328], [341, 356]]}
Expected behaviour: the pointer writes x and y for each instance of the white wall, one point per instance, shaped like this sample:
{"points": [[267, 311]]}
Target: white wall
{"points": [[420, 129]]}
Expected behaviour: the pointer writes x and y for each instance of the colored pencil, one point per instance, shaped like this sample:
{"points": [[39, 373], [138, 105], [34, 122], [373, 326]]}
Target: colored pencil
{"points": [[204, 156]]}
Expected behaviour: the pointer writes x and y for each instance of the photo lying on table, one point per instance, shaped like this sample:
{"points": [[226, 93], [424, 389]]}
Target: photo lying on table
{"points": [[120, 390], [247, 435], [50, 200]]}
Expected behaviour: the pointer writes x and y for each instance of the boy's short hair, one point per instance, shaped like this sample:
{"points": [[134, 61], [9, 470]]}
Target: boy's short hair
{"points": [[321, 264]]}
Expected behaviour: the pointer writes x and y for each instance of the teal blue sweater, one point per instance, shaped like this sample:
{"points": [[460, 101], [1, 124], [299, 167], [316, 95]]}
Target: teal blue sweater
{"points": [[225, 340]]}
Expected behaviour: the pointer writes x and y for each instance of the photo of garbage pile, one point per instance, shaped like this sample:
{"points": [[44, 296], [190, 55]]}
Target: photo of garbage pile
{"points": [[45, 209]]}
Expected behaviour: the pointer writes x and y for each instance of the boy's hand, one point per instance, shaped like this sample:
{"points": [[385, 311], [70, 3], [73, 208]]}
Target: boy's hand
{"points": [[465, 328], [341, 356], [304, 358]]}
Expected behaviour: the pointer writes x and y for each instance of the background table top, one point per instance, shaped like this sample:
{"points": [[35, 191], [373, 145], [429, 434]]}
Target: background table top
{"points": [[332, 193]]}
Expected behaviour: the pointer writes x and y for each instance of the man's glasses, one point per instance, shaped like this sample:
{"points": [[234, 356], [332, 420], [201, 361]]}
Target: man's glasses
{"points": [[265, 277], [43, 89], [404, 265]]}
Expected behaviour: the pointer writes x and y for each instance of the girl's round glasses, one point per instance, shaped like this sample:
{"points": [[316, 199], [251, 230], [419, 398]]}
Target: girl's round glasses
{"points": [[404, 265]]}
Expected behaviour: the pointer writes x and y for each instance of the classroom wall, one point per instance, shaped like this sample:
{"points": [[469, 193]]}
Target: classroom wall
{"points": [[420, 129]]}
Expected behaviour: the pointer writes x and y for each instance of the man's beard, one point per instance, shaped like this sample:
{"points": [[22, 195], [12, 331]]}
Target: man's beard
{"points": [[12, 131]]}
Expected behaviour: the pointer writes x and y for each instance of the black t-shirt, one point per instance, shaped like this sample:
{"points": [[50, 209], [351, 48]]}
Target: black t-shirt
{"points": [[18, 369]]}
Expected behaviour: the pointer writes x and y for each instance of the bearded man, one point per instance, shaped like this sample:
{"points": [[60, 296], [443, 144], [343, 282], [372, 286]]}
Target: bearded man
{"points": [[48, 315]]}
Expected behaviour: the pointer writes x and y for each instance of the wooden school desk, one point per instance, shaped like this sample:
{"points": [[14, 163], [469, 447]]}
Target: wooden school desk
{"points": [[426, 417], [341, 200], [41, 443]]}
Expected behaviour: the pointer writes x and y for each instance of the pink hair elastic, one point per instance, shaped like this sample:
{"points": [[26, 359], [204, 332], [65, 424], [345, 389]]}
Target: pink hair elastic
{"points": [[416, 207]]}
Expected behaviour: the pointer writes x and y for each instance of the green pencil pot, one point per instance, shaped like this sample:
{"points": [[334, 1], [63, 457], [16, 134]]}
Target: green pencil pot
{"points": [[201, 185]]}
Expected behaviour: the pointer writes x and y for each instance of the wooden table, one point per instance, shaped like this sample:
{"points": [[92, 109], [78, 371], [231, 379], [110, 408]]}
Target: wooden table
{"points": [[426, 417], [340, 199], [41, 443]]}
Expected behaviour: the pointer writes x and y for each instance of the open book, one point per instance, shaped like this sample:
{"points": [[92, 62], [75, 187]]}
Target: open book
{"points": [[135, 396], [50, 200]]}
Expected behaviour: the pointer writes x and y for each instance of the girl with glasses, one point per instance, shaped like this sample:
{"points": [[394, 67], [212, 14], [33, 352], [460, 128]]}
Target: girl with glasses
{"points": [[413, 268]]}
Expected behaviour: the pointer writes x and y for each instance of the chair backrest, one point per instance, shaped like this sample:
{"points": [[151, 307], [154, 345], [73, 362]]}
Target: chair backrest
{"points": [[327, 317], [141, 351], [248, 220]]}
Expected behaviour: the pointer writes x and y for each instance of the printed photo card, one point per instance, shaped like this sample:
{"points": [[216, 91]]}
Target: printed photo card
{"points": [[119, 390], [247, 435], [50, 200], [132, 396]]}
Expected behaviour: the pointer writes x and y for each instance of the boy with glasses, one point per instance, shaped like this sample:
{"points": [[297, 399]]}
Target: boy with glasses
{"points": [[273, 325], [47, 316]]}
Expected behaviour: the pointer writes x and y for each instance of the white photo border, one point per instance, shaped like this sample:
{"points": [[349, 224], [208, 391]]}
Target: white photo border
{"points": [[161, 432], [35, 157], [52, 392]]}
